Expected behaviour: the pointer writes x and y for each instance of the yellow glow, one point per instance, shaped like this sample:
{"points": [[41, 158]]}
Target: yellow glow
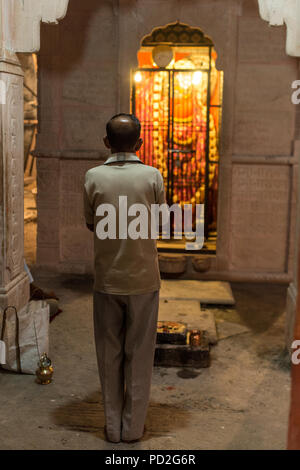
{"points": [[138, 77], [171, 64], [184, 79], [197, 78]]}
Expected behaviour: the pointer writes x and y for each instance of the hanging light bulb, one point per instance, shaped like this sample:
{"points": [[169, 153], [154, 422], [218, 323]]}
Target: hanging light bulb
{"points": [[138, 77], [197, 78]]}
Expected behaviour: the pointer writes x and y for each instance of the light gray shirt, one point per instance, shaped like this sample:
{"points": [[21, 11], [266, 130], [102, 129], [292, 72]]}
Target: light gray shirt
{"points": [[124, 266]]}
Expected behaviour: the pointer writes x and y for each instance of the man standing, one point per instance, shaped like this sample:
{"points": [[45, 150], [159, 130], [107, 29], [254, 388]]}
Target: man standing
{"points": [[127, 281]]}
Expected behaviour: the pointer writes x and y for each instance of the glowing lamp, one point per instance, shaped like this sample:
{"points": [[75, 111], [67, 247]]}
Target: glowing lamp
{"points": [[197, 78], [138, 77], [184, 79]]}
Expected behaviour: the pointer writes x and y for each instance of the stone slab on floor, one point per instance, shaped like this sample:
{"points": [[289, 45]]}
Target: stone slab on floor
{"points": [[207, 292], [189, 312]]}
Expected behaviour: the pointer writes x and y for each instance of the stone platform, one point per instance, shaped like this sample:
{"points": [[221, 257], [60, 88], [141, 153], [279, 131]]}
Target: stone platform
{"points": [[207, 292], [177, 355], [182, 355]]}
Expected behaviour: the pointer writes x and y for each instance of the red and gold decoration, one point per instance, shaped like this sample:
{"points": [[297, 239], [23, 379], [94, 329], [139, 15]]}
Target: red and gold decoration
{"points": [[172, 105]]}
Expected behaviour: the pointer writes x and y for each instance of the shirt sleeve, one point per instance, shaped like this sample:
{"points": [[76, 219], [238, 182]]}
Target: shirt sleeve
{"points": [[160, 190], [88, 209]]}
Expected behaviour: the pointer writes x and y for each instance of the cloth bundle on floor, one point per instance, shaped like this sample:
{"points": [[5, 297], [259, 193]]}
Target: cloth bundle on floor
{"points": [[25, 335]]}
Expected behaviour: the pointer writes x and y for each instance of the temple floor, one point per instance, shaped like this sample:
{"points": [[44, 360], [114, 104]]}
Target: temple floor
{"points": [[240, 402]]}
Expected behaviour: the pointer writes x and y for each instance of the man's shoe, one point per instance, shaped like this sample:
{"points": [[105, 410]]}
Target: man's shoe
{"points": [[108, 439], [132, 441]]}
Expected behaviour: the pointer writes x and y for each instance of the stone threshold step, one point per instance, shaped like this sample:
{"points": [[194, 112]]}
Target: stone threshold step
{"points": [[207, 292]]}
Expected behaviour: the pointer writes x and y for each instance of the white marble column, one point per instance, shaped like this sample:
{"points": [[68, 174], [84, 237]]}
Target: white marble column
{"points": [[19, 32], [279, 12], [14, 285]]}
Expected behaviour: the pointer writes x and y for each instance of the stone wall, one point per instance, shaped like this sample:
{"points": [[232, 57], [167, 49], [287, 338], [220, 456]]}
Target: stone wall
{"points": [[84, 78], [78, 73], [264, 161]]}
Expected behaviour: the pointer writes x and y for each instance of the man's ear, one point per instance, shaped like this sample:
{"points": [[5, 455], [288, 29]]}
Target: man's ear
{"points": [[106, 142], [138, 144]]}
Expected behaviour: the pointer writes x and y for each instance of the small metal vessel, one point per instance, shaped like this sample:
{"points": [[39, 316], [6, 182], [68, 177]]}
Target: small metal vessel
{"points": [[195, 338], [44, 372]]}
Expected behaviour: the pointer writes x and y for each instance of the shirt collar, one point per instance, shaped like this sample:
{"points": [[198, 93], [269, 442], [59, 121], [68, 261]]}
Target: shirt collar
{"points": [[123, 157]]}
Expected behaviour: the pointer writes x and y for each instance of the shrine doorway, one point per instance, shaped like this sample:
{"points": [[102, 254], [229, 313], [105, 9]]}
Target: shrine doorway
{"points": [[29, 64], [175, 91]]}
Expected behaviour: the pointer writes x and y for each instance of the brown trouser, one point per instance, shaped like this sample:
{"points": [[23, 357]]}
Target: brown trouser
{"points": [[125, 336]]}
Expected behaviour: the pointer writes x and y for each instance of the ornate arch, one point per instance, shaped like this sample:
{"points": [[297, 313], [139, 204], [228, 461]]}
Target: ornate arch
{"points": [[177, 34]]}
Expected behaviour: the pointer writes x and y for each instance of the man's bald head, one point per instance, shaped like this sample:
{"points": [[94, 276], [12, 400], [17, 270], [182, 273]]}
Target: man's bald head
{"points": [[123, 132]]}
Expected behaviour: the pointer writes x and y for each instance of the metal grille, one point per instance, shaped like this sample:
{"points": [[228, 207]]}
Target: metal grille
{"points": [[175, 110]]}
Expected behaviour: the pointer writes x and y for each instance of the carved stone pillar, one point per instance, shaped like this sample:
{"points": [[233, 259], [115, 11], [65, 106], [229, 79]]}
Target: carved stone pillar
{"points": [[19, 32], [292, 292], [14, 283]]}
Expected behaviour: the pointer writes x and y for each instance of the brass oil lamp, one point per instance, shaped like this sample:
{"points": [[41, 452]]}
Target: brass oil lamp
{"points": [[45, 370]]}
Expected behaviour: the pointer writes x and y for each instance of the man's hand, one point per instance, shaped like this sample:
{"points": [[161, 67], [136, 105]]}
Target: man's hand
{"points": [[90, 227]]}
